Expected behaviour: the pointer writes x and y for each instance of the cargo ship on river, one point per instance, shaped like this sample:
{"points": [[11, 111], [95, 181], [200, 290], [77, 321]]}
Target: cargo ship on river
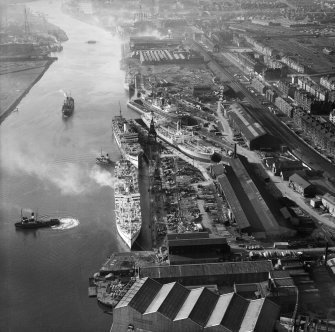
{"points": [[126, 138], [127, 201]]}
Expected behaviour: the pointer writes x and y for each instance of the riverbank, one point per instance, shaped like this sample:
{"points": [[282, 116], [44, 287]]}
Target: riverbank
{"points": [[16, 80]]}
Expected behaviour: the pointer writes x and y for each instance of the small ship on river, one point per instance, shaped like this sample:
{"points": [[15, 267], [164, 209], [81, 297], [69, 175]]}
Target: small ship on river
{"points": [[68, 106], [32, 222]]}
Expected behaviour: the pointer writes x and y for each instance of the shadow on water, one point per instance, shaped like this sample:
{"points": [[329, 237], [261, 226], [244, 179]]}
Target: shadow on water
{"points": [[27, 232]]}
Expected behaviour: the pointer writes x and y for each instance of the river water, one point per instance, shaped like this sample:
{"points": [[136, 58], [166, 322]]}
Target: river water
{"points": [[48, 165]]}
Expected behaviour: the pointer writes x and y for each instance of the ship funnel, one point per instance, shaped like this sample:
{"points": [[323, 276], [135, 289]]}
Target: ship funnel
{"points": [[125, 128], [326, 253]]}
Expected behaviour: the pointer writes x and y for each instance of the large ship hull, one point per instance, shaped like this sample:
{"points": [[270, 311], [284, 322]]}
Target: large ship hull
{"points": [[160, 132], [127, 202], [125, 155], [129, 241], [192, 152]]}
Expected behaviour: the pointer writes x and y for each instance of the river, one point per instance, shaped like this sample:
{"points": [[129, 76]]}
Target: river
{"points": [[48, 165]]}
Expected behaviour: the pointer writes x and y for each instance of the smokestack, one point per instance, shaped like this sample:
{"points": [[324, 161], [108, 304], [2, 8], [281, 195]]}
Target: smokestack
{"points": [[326, 253], [235, 154]]}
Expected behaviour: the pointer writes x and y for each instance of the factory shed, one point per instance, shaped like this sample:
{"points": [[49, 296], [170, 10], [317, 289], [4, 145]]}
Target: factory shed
{"points": [[279, 166], [173, 307], [196, 247], [252, 131], [301, 185], [236, 208], [246, 203], [224, 273]]}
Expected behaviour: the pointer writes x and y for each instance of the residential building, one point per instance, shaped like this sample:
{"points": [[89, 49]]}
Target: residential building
{"points": [[284, 105], [332, 116], [328, 82], [294, 64]]}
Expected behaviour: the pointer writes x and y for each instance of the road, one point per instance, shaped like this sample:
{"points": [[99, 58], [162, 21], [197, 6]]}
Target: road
{"points": [[273, 125]]}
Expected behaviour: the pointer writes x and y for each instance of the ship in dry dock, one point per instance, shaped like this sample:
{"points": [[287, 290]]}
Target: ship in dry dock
{"points": [[127, 201], [126, 138]]}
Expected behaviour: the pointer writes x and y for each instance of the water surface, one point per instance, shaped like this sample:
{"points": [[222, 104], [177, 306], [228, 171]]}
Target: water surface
{"points": [[48, 165]]}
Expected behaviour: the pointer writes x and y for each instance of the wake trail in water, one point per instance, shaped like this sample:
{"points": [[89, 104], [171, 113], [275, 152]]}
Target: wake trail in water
{"points": [[66, 223]]}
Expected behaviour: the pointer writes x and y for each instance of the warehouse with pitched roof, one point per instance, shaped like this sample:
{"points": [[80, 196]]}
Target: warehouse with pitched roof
{"points": [[152, 306], [253, 133]]}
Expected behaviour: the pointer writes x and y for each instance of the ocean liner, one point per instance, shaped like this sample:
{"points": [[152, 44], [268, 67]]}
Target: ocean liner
{"points": [[126, 138], [182, 139], [127, 201]]}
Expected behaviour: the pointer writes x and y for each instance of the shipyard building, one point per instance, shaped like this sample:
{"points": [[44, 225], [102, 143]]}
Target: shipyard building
{"points": [[220, 274], [152, 306], [253, 133], [247, 207]]}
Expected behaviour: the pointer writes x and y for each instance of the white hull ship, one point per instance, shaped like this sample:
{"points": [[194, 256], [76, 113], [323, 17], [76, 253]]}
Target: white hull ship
{"points": [[127, 202], [127, 139], [184, 140]]}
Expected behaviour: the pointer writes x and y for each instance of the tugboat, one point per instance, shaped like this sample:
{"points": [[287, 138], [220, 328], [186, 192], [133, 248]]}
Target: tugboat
{"points": [[103, 160], [68, 106], [32, 222]]}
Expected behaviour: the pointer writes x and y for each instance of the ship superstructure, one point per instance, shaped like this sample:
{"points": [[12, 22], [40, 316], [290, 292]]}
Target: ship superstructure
{"points": [[172, 133], [127, 201], [126, 138], [68, 107]]}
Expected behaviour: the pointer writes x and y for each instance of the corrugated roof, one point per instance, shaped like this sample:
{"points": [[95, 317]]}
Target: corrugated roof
{"points": [[189, 303], [219, 310], [251, 315], [253, 287], [250, 128], [197, 242], [204, 307], [267, 317], [259, 215], [218, 169], [286, 282], [159, 298], [296, 178], [279, 274], [190, 270], [194, 235], [174, 301], [234, 314], [240, 216], [131, 292], [144, 296]]}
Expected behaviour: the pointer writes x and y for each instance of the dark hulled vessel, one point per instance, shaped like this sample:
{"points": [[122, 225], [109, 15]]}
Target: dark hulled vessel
{"points": [[68, 106], [32, 222], [103, 160]]}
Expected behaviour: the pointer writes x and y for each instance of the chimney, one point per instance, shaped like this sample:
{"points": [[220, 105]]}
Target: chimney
{"points": [[326, 253], [235, 154]]}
